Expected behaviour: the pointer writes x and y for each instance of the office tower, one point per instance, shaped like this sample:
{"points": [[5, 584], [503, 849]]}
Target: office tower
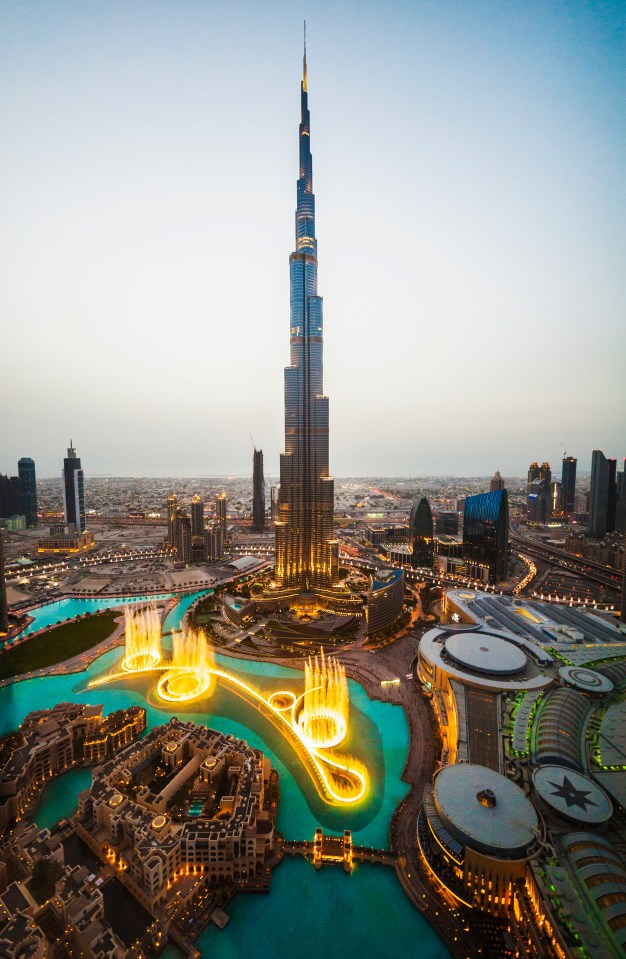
{"points": [[623, 606], [602, 495], [258, 491], [533, 474], [620, 505], [28, 490], [220, 508], [183, 537], [568, 485], [421, 533], [539, 500], [9, 496], [74, 491], [214, 543], [497, 482], [447, 522], [555, 496], [274, 491], [172, 513], [197, 516], [307, 556], [4, 606], [486, 533]]}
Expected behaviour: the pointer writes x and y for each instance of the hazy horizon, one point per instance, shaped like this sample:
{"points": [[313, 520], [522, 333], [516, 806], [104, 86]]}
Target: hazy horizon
{"points": [[468, 165]]}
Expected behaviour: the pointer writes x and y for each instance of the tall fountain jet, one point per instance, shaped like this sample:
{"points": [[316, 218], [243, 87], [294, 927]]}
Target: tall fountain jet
{"points": [[306, 553]]}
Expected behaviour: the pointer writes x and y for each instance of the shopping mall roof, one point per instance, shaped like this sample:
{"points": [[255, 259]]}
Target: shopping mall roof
{"points": [[485, 810], [572, 794], [485, 653]]}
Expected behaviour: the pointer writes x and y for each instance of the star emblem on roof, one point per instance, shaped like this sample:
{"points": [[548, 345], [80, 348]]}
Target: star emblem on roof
{"points": [[572, 796]]}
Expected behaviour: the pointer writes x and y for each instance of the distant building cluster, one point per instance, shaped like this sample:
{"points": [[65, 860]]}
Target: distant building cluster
{"points": [[189, 536], [18, 497]]}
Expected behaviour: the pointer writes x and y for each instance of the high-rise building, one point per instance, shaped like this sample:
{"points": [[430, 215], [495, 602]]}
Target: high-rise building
{"points": [[602, 495], [9, 495], [623, 606], [421, 533], [74, 491], [4, 606], [258, 491], [220, 509], [555, 496], [197, 516], [568, 485], [620, 506], [539, 494], [486, 533], [214, 543], [28, 489], [183, 537], [307, 555], [496, 482], [172, 513]]}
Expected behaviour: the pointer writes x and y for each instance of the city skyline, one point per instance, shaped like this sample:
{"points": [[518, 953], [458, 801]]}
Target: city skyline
{"points": [[470, 168]]}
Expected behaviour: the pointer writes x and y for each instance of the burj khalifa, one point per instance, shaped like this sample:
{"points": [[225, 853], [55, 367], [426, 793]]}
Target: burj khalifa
{"points": [[306, 552]]}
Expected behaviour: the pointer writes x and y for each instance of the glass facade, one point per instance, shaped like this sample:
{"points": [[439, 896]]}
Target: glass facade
{"points": [[421, 533], [602, 495], [74, 491], [306, 553], [486, 532], [568, 485], [28, 490], [258, 491]]}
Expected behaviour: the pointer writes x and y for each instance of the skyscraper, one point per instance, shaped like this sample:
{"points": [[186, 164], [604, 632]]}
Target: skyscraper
{"points": [[9, 495], [602, 495], [568, 485], [496, 482], [183, 537], [28, 489], [539, 501], [172, 514], [74, 491], [4, 607], [197, 516], [220, 508], [486, 533], [258, 491], [421, 533], [307, 556]]}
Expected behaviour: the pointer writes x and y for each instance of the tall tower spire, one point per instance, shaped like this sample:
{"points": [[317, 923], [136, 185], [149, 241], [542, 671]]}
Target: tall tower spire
{"points": [[304, 61], [306, 553]]}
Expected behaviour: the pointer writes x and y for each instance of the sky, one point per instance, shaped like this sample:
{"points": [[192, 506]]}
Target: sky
{"points": [[469, 172]]}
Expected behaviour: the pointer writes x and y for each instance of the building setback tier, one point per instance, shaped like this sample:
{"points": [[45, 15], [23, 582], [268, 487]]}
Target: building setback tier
{"points": [[485, 810]]}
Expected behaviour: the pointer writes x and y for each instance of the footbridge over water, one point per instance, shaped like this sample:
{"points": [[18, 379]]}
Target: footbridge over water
{"points": [[336, 849]]}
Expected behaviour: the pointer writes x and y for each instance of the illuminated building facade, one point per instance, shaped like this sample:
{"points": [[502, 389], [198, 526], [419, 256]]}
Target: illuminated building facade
{"points": [[74, 491], [421, 533], [539, 501], [307, 556], [28, 490], [258, 492], [197, 516], [172, 512], [486, 532]]}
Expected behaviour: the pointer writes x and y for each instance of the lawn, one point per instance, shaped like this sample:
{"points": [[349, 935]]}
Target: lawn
{"points": [[62, 642]]}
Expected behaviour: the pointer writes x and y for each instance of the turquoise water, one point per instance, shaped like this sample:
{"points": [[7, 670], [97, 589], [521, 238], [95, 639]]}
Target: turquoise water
{"points": [[64, 609], [175, 615], [195, 809], [328, 914], [59, 797], [305, 909]]}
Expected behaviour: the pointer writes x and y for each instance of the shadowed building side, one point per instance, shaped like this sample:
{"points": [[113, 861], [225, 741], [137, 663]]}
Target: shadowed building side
{"points": [[421, 533]]}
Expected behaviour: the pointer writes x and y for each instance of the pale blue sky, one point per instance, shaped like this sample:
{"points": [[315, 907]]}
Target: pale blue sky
{"points": [[469, 173]]}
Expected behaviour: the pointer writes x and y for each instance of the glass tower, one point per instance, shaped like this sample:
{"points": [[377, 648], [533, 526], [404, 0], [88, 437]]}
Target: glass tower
{"points": [[306, 553], [486, 532], [258, 491], [28, 489], [74, 491]]}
